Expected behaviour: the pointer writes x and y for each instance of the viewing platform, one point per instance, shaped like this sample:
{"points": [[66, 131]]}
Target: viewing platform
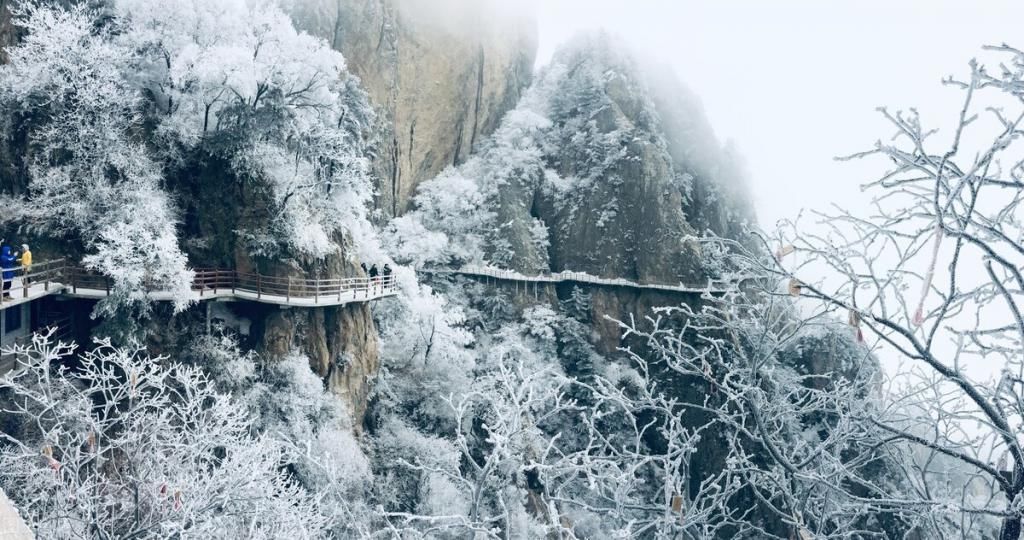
{"points": [[57, 277]]}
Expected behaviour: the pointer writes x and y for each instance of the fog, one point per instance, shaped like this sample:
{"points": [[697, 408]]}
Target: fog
{"points": [[796, 82]]}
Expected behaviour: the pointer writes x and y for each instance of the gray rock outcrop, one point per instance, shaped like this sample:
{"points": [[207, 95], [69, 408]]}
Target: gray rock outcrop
{"points": [[440, 74]]}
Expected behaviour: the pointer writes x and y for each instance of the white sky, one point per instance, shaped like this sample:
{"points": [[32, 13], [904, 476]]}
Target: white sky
{"points": [[796, 82]]}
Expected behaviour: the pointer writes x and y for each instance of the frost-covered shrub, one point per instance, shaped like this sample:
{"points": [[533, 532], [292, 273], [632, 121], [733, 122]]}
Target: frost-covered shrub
{"points": [[449, 225], [425, 356], [288, 403], [125, 445]]}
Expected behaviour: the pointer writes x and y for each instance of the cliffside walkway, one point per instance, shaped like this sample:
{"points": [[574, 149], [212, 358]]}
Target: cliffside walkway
{"points": [[60, 278], [497, 274]]}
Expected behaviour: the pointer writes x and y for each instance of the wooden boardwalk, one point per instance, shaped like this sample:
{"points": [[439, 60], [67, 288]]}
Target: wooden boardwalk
{"points": [[59, 278], [499, 274], [36, 281]]}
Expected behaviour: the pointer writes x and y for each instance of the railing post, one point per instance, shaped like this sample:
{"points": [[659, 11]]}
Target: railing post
{"points": [[316, 288], [259, 286], [288, 291]]}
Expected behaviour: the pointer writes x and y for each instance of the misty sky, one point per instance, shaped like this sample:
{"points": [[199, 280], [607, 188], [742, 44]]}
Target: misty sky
{"points": [[796, 82]]}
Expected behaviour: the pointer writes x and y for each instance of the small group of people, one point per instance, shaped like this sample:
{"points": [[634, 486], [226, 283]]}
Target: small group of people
{"points": [[10, 261], [377, 276]]}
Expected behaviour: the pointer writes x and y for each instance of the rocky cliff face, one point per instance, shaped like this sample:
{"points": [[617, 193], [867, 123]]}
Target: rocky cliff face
{"points": [[340, 342], [631, 170], [606, 166], [441, 75], [634, 174], [440, 78]]}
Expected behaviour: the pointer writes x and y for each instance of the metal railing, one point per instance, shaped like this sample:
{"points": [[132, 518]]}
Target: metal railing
{"points": [[292, 287], [579, 277], [36, 276], [209, 282]]}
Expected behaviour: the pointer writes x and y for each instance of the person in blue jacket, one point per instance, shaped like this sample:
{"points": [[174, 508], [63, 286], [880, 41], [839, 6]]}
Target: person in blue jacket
{"points": [[7, 262]]}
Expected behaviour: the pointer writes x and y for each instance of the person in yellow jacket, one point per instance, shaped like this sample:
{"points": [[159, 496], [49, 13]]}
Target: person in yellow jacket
{"points": [[26, 263]]}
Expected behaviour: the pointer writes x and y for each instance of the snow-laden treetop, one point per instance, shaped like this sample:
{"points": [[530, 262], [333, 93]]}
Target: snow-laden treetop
{"points": [[114, 104]]}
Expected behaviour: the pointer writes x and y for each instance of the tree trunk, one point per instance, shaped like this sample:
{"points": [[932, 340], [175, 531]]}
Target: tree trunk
{"points": [[1010, 529]]}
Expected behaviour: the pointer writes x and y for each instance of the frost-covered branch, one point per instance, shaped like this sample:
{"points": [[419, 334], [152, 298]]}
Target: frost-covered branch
{"points": [[933, 274], [116, 444]]}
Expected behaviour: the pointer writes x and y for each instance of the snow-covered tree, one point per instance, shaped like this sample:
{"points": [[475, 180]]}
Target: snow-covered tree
{"points": [[114, 103], [235, 79], [425, 355], [287, 403], [534, 453], [782, 397], [116, 444], [933, 276], [68, 84], [448, 226]]}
